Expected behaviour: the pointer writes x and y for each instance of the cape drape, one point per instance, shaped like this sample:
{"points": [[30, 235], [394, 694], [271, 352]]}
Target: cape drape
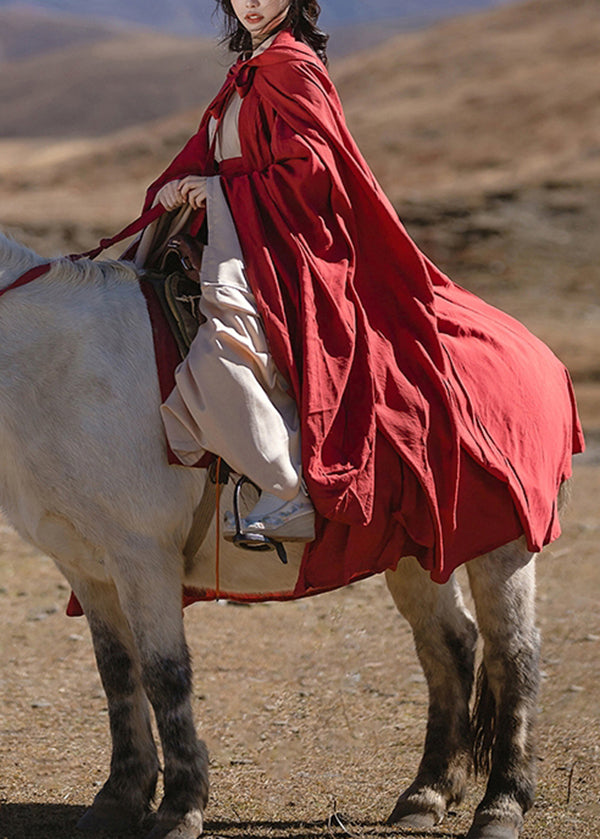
{"points": [[418, 402]]}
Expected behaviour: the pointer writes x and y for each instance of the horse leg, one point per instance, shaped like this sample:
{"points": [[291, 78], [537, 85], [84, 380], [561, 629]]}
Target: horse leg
{"points": [[445, 637], [503, 587], [149, 585], [125, 798]]}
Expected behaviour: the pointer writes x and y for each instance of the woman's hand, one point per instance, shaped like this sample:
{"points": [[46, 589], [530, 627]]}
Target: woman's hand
{"points": [[189, 190], [192, 189], [170, 196]]}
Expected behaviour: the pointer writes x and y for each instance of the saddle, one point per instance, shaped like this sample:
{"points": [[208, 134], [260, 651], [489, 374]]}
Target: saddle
{"points": [[176, 284]]}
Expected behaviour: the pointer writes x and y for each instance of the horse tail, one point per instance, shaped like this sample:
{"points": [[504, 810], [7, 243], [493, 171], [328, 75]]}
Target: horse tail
{"points": [[564, 495], [483, 723]]}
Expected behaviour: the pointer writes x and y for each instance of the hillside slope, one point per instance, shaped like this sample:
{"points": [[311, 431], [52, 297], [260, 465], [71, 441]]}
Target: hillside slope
{"points": [[54, 65], [27, 31], [480, 101], [97, 88], [484, 131], [483, 99]]}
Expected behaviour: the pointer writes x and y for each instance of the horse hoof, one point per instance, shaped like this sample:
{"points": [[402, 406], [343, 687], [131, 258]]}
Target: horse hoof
{"points": [[493, 830], [190, 827], [418, 808], [414, 821]]}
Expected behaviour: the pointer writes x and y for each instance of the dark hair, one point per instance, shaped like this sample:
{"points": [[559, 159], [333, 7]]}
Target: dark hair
{"points": [[301, 18]]}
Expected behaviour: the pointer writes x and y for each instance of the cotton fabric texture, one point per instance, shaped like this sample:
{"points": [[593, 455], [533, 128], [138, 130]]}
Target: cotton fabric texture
{"points": [[431, 423]]}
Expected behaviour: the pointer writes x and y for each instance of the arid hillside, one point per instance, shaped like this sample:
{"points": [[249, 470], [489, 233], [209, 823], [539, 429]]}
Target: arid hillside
{"points": [[27, 31], [196, 16], [95, 87], [511, 96]]}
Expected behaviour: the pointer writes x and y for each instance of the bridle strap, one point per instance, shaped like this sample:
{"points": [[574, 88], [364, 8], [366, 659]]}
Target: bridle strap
{"points": [[27, 277]]}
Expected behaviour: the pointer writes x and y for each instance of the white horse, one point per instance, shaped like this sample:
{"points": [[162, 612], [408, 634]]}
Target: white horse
{"points": [[84, 477]]}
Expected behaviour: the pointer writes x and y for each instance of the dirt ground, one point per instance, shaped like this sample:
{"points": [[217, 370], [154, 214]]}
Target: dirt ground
{"points": [[313, 711]]}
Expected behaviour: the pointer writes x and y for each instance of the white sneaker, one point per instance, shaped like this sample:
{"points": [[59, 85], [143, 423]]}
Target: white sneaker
{"points": [[285, 521]]}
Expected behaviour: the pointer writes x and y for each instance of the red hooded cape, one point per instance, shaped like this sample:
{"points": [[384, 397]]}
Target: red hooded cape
{"points": [[432, 423]]}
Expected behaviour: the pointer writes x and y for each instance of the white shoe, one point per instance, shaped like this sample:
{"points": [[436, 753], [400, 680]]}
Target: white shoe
{"points": [[285, 521]]}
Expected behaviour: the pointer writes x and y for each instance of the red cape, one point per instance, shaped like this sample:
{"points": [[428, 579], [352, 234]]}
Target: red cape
{"points": [[419, 403]]}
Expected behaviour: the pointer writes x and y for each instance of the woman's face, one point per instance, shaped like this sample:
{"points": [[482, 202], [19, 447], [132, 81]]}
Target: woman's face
{"points": [[259, 17]]}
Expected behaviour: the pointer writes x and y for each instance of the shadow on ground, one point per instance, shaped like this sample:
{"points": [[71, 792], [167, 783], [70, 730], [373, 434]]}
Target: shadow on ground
{"points": [[57, 821], [313, 830], [46, 821]]}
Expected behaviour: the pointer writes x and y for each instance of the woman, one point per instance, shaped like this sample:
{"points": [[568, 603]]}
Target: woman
{"points": [[324, 318], [230, 398]]}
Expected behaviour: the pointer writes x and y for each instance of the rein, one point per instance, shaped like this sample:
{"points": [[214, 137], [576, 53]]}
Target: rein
{"points": [[27, 277], [135, 227]]}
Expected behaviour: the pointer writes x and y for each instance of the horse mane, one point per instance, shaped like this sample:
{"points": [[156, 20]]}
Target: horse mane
{"points": [[16, 259]]}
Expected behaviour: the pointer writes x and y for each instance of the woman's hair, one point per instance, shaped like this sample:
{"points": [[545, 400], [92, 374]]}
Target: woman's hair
{"points": [[301, 18]]}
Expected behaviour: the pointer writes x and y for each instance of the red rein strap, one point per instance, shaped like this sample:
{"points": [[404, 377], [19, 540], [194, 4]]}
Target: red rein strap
{"points": [[27, 277], [135, 227], [218, 532]]}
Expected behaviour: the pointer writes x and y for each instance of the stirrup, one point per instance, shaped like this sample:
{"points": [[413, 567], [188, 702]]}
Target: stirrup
{"points": [[252, 541]]}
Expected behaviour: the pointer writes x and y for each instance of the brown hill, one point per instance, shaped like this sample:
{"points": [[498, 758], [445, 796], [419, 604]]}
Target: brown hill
{"points": [[94, 89], [26, 31], [54, 66], [481, 101]]}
